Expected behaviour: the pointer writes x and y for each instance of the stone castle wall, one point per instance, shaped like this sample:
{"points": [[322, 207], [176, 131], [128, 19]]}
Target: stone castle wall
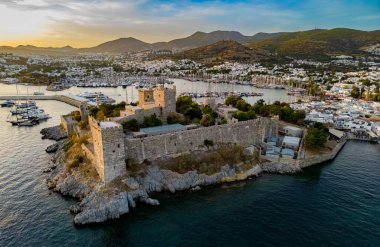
{"points": [[140, 116], [242, 133], [109, 150]]}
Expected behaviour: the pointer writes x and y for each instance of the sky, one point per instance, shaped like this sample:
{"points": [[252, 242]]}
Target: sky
{"points": [[86, 23]]}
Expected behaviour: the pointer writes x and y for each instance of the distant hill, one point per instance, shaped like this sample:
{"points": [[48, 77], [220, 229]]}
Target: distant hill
{"points": [[34, 50], [199, 39], [312, 44], [130, 44], [223, 51], [319, 43], [121, 45]]}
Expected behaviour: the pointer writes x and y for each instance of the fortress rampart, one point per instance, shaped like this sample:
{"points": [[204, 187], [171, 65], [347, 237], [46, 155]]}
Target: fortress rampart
{"points": [[112, 148], [243, 133]]}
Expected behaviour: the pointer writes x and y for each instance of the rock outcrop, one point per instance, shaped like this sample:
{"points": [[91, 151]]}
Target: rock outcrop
{"points": [[53, 133], [52, 148], [280, 168], [96, 205]]}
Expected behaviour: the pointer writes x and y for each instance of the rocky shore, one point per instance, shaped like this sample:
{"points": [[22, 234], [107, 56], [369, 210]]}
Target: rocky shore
{"points": [[53, 133], [98, 204]]}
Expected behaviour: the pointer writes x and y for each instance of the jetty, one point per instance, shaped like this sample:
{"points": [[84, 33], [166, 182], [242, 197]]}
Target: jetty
{"points": [[68, 99]]}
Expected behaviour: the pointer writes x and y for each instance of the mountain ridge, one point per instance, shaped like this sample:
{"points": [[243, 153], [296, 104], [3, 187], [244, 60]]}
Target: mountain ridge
{"points": [[300, 44]]}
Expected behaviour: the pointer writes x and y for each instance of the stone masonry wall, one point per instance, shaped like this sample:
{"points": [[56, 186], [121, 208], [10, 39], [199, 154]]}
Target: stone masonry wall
{"points": [[242, 133], [140, 116], [310, 161], [96, 133], [109, 150]]}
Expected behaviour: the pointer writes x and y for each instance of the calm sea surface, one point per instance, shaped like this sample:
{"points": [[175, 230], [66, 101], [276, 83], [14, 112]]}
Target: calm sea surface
{"points": [[121, 94], [336, 204]]}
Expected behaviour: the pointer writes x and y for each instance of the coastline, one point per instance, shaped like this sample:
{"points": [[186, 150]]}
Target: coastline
{"points": [[98, 203]]}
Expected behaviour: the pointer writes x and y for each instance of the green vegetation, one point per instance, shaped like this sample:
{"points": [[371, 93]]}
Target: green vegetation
{"points": [[82, 124], [207, 120], [79, 159], [355, 93], [247, 112], [244, 116], [208, 162], [131, 125], [68, 145], [193, 113], [282, 109], [363, 93], [175, 117], [320, 43], [222, 51], [188, 108], [104, 111], [76, 116], [316, 136], [149, 121]]}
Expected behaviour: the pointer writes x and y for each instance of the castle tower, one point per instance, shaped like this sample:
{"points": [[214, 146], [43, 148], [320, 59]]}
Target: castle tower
{"points": [[146, 97], [109, 149], [84, 110], [165, 97]]}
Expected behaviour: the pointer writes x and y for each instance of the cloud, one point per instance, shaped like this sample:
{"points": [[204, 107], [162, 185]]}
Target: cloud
{"points": [[89, 22]]}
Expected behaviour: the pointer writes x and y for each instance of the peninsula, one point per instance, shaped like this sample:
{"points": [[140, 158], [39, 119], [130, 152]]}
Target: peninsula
{"points": [[115, 156]]}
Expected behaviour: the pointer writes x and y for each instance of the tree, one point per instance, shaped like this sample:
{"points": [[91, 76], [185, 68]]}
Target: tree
{"points": [[194, 112], [187, 107], [242, 105], [355, 93], [232, 100], [316, 136], [207, 120], [151, 121], [100, 116], [298, 116], [183, 103], [131, 125], [175, 117]]}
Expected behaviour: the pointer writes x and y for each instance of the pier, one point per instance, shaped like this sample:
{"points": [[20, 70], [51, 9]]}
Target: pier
{"points": [[68, 99]]}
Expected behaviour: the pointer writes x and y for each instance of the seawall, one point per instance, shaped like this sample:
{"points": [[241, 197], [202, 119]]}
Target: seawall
{"points": [[314, 160]]}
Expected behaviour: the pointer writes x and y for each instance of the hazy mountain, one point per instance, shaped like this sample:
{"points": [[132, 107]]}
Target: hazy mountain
{"points": [[201, 39], [319, 43], [34, 50], [121, 45], [307, 44], [223, 51], [130, 44]]}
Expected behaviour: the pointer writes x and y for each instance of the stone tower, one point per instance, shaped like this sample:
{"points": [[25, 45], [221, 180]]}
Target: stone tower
{"points": [[84, 110], [146, 96], [109, 149], [165, 97]]}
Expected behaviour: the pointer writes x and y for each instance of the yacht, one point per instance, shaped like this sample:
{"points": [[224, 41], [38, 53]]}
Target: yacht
{"points": [[7, 103]]}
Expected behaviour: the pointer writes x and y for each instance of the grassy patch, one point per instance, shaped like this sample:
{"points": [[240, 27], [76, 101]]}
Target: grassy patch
{"points": [[209, 162]]}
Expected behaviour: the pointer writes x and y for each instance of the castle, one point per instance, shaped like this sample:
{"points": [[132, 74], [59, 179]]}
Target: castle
{"points": [[160, 101], [110, 148]]}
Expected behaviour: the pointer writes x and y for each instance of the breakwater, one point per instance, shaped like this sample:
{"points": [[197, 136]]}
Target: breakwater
{"points": [[317, 159], [68, 99]]}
